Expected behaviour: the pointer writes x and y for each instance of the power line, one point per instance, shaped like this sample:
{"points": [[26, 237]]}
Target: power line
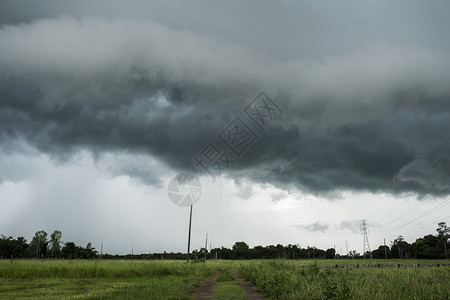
{"points": [[435, 222], [439, 206], [422, 187], [426, 213], [434, 195], [411, 197]]}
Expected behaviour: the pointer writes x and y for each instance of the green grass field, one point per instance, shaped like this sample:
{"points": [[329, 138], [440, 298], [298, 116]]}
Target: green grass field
{"points": [[116, 279], [130, 279], [284, 280]]}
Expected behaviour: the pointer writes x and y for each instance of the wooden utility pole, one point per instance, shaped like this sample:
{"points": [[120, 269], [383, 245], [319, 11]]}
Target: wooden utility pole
{"points": [[206, 245], [189, 235]]}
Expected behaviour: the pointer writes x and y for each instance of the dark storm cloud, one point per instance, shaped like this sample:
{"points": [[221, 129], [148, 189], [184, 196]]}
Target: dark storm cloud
{"points": [[359, 118]]}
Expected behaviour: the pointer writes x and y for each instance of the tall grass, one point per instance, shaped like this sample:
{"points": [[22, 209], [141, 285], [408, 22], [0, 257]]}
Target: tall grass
{"points": [[96, 269], [286, 281], [94, 279]]}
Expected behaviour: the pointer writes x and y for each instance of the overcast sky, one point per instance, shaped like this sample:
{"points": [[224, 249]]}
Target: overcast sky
{"points": [[103, 102]]}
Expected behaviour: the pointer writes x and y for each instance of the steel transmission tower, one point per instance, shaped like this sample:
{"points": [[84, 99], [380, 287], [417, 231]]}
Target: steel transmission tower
{"points": [[365, 232]]}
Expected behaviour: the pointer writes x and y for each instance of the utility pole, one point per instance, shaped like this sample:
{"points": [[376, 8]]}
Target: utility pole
{"points": [[189, 235], [101, 251], [206, 245], [364, 231], [346, 247]]}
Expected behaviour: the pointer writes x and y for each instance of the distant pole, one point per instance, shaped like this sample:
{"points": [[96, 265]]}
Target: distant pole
{"points": [[189, 235], [346, 247], [101, 251], [206, 245], [385, 251]]}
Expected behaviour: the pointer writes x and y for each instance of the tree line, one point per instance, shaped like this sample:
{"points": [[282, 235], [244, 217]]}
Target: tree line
{"points": [[430, 246], [42, 247]]}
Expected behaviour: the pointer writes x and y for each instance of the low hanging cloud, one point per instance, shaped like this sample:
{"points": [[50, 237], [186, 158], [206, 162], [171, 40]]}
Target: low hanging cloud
{"points": [[371, 119], [314, 227], [351, 225]]}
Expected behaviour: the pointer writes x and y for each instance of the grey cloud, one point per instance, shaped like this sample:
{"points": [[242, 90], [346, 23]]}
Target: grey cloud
{"points": [[245, 192], [277, 197], [426, 175], [351, 121], [142, 168], [351, 225], [307, 27], [314, 227]]}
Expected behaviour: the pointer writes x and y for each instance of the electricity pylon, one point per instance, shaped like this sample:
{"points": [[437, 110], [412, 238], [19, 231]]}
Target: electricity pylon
{"points": [[365, 232]]}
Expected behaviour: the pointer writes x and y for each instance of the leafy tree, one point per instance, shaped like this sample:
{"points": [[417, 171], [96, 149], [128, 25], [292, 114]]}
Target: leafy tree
{"points": [[314, 252], [225, 253], [69, 250], [292, 251], [443, 235], [381, 253], [22, 243], [330, 253], [240, 250], [426, 247], [257, 252], [55, 242], [281, 253], [353, 254], [400, 248], [10, 247], [88, 252], [39, 243]]}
